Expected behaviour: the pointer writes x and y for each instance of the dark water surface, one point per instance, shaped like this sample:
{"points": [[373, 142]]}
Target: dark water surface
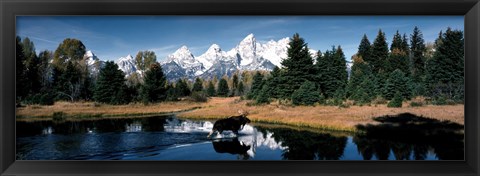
{"points": [[403, 137]]}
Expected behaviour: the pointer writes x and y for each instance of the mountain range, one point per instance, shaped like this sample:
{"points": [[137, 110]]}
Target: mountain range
{"points": [[248, 54]]}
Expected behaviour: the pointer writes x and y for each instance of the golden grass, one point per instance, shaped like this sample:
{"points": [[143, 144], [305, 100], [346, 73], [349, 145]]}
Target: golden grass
{"points": [[90, 109], [325, 117], [320, 117]]}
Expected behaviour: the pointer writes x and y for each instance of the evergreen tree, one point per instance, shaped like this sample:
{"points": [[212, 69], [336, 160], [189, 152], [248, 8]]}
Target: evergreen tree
{"points": [[31, 63], [398, 59], [379, 53], [44, 68], [307, 94], [154, 88], [360, 85], [222, 88], [417, 48], [263, 96], [68, 85], [397, 42], [198, 85], [182, 88], [172, 93], [298, 67], [332, 71], [397, 82], [234, 84], [241, 88], [257, 85], [364, 49], [405, 46], [396, 101], [111, 87], [20, 71], [211, 89], [445, 77]]}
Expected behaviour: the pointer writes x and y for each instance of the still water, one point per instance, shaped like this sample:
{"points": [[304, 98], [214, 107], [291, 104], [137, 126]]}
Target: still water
{"points": [[405, 137]]}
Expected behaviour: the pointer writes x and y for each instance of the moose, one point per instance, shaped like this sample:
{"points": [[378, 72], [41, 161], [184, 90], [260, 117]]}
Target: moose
{"points": [[233, 123]]}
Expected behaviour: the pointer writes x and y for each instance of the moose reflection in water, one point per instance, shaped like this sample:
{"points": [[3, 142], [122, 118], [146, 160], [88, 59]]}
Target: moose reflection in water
{"points": [[402, 137], [232, 146], [410, 137]]}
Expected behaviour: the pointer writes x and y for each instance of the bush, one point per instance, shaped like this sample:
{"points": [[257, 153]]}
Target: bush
{"points": [[198, 97], [396, 102], [379, 100], [59, 116]]}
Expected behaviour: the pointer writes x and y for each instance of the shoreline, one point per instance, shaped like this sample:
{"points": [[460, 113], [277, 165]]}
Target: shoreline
{"points": [[331, 118]]}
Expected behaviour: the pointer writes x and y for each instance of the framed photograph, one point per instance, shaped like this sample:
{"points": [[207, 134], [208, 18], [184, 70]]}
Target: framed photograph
{"points": [[251, 87]]}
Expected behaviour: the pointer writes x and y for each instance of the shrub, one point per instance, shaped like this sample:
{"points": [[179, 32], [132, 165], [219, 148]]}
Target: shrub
{"points": [[396, 102], [198, 97], [59, 116]]}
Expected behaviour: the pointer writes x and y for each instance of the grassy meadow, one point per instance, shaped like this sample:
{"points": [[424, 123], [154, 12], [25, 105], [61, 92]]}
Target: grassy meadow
{"points": [[320, 116]]}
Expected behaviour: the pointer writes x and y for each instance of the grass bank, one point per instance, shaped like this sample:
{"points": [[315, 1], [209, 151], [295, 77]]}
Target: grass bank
{"points": [[319, 117], [322, 117], [91, 110]]}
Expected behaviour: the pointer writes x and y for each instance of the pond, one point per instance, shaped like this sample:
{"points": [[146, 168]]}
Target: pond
{"points": [[405, 137]]}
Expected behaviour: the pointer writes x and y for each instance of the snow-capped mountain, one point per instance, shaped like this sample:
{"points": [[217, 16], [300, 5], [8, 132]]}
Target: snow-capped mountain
{"points": [[248, 54], [94, 64], [127, 64]]}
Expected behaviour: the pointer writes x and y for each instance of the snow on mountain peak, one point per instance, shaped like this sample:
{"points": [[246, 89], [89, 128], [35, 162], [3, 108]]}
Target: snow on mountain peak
{"points": [[127, 64]]}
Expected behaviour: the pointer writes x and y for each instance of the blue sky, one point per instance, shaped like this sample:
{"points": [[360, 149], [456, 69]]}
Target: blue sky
{"points": [[111, 37]]}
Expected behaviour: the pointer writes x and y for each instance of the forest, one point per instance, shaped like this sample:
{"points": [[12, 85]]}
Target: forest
{"points": [[380, 73]]}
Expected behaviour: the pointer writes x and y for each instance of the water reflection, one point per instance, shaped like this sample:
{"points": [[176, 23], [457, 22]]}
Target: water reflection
{"points": [[232, 146], [402, 137], [410, 137]]}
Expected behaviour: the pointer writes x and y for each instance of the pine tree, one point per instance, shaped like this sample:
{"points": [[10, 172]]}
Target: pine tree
{"points": [[446, 68], [332, 72], [222, 88], [307, 94], [397, 82], [20, 71], [182, 88], [234, 84], [417, 48], [154, 87], [364, 49], [198, 85], [360, 85], [397, 42], [257, 85], [396, 101], [31, 63], [298, 67], [379, 53], [263, 96], [241, 88], [211, 89], [111, 87]]}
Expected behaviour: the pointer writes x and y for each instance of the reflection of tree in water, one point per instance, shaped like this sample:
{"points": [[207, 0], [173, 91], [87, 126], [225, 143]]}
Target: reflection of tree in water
{"points": [[305, 145], [407, 134]]}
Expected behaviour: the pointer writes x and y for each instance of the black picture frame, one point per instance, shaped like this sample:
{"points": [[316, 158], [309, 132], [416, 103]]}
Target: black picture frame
{"points": [[10, 9]]}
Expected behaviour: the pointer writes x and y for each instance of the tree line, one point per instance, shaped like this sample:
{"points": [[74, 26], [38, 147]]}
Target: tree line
{"points": [[65, 75], [407, 69]]}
